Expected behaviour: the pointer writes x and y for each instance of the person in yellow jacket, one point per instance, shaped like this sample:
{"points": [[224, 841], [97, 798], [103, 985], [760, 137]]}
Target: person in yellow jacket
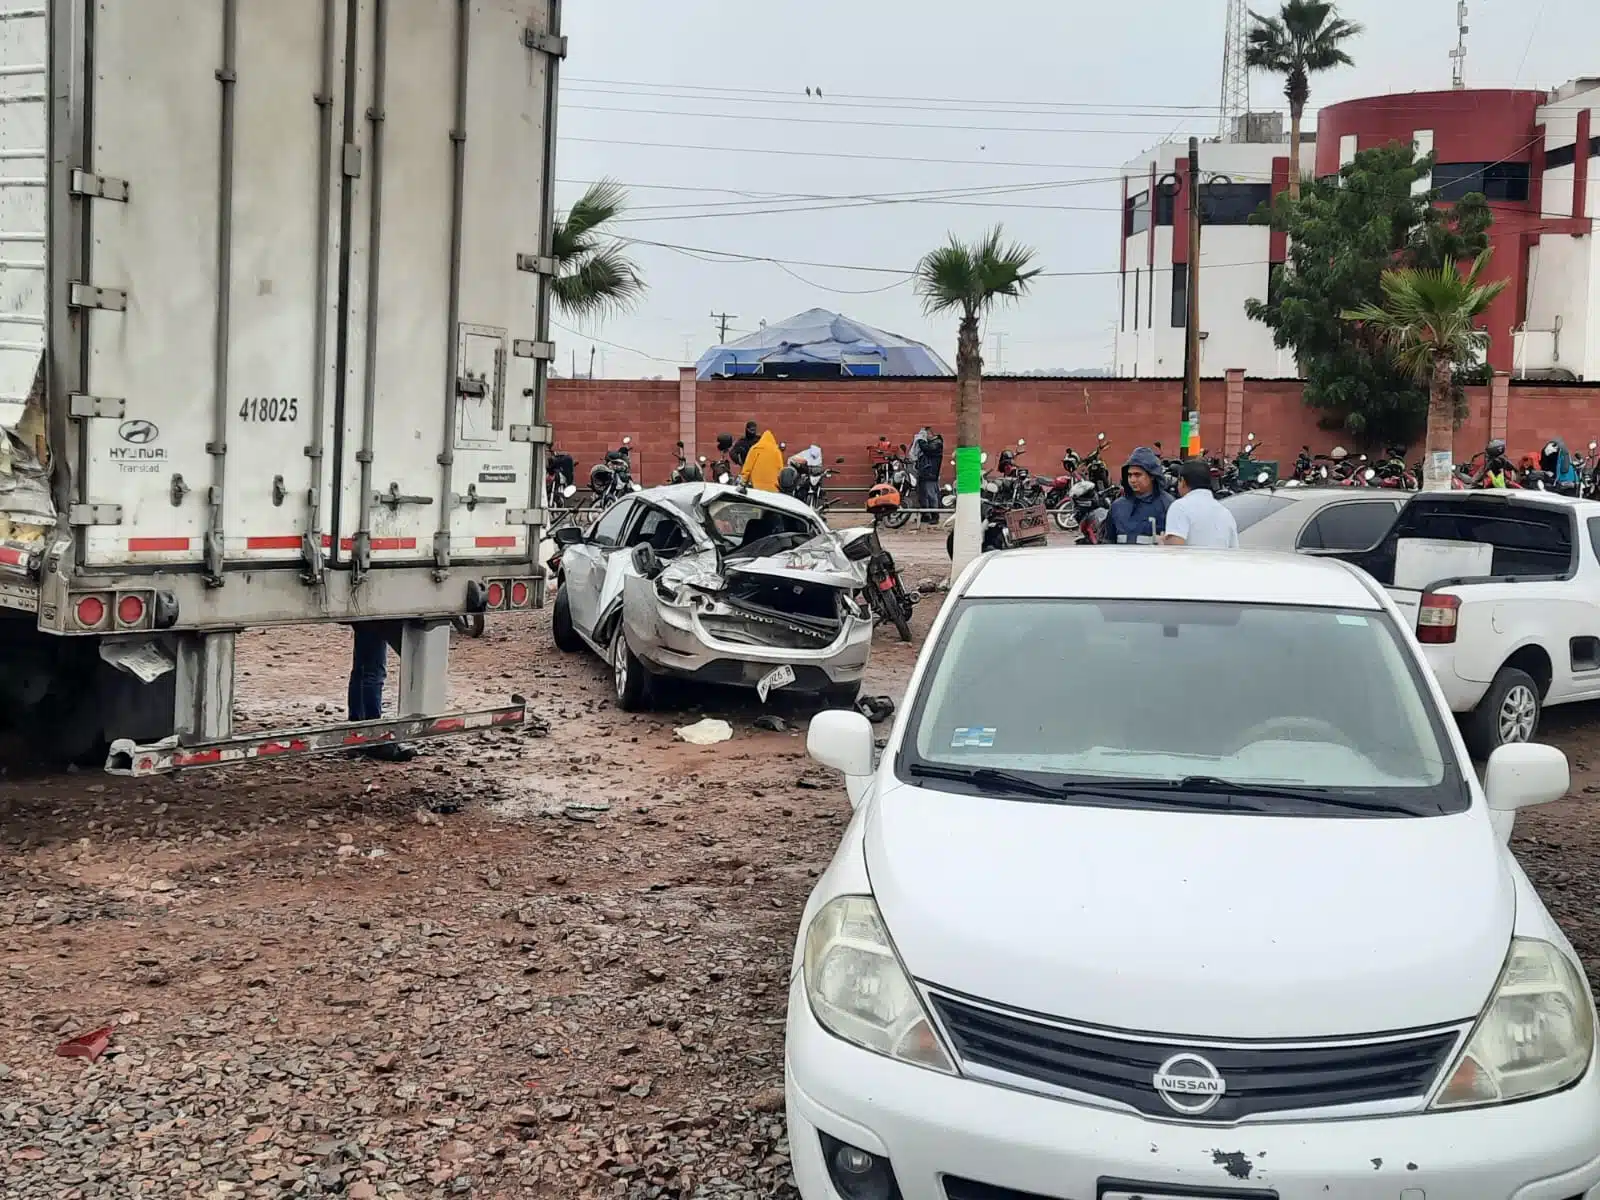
{"points": [[763, 464]]}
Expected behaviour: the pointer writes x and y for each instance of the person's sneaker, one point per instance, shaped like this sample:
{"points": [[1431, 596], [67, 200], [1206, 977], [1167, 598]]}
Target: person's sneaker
{"points": [[393, 752]]}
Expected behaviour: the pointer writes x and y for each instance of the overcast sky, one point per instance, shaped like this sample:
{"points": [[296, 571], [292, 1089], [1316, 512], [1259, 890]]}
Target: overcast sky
{"points": [[1033, 106]]}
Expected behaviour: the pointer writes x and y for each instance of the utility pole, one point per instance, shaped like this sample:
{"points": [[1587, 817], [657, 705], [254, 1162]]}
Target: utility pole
{"points": [[1191, 344], [723, 320]]}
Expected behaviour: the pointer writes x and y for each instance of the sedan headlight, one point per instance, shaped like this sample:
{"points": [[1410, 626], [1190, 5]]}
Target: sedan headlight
{"points": [[1536, 1036], [860, 992]]}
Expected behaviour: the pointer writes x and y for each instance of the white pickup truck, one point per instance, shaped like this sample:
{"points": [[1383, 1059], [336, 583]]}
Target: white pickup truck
{"points": [[1504, 590]]}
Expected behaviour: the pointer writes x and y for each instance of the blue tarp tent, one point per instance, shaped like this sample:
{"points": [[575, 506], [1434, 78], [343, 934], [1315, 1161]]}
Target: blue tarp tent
{"points": [[818, 344]]}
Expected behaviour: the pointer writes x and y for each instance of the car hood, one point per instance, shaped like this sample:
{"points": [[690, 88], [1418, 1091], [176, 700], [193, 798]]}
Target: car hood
{"points": [[1203, 924]]}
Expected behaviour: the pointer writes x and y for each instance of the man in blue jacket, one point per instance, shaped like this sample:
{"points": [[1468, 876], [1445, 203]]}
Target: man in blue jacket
{"points": [[1140, 515]]}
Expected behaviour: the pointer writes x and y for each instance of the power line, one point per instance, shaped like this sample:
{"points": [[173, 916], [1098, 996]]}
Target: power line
{"points": [[614, 345], [843, 156], [837, 121]]}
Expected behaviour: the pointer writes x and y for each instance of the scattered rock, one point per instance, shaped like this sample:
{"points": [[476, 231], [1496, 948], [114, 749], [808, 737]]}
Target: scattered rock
{"points": [[771, 722]]}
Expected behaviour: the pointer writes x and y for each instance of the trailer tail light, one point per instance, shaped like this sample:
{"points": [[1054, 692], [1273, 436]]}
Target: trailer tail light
{"points": [[496, 595], [1436, 619], [91, 611], [521, 593], [133, 611]]}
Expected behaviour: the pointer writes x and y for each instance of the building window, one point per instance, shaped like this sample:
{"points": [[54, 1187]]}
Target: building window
{"points": [[1233, 203], [1503, 182], [1180, 295], [1166, 206], [1136, 219], [1565, 156]]}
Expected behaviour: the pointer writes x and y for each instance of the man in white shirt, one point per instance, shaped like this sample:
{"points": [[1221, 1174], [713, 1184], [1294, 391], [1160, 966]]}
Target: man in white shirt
{"points": [[1197, 519]]}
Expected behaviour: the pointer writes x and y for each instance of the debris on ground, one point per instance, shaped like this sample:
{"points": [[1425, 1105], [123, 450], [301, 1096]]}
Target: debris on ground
{"points": [[876, 709], [772, 723], [705, 733], [89, 1045]]}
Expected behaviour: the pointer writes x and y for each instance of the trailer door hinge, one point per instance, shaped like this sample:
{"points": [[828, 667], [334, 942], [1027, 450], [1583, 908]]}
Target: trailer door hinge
{"points": [[471, 500], [95, 514], [536, 264], [82, 407], [538, 435], [552, 44], [528, 348], [393, 499], [526, 516], [101, 187], [86, 295]]}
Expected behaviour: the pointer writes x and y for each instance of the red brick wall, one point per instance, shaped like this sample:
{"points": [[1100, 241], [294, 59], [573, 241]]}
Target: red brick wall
{"points": [[593, 416], [844, 417]]}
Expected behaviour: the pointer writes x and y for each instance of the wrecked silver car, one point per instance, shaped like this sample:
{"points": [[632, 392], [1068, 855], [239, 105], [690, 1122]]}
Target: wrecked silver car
{"points": [[714, 584]]}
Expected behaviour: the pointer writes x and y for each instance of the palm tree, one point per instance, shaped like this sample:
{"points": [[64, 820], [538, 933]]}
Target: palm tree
{"points": [[971, 280], [593, 275], [1427, 320], [1306, 37]]}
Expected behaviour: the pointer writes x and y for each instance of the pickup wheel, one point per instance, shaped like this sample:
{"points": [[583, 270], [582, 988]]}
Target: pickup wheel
{"points": [[1507, 714], [566, 637]]}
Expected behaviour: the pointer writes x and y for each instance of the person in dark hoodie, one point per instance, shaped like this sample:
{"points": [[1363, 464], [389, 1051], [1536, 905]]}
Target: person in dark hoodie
{"points": [[1140, 515]]}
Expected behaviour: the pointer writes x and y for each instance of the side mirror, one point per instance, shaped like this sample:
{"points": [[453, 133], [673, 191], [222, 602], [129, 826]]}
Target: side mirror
{"points": [[1262, 479], [841, 739], [569, 491], [1524, 775], [1101, 436], [723, 478], [702, 460], [983, 459], [646, 561], [567, 535], [839, 462], [1021, 442], [628, 441], [680, 445]]}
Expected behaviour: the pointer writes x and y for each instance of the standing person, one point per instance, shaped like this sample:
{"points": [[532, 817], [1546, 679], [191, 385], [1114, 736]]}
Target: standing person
{"points": [[763, 464], [369, 669], [927, 455], [1197, 519], [1140, 514], [752, 435]]}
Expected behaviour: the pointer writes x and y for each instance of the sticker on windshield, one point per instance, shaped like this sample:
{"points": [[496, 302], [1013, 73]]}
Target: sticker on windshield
{"points": [[1349, 619], [972, 736]]}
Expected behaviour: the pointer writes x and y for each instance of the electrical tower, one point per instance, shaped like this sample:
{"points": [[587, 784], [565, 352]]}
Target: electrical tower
{"points": [[1235, 72], [1458, 56]]}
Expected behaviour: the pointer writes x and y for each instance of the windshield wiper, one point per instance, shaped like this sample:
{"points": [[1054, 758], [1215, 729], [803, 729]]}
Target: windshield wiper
{"points": [[1211, 785], [991, 778]]}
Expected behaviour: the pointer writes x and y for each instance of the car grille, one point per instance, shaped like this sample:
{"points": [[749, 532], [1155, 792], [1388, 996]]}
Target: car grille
{"points": [[969, 1189], [1259, 1079]]}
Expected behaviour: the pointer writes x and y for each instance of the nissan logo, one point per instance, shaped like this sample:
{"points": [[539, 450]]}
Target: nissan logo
{"points": [[1190, 1085], [138, 433]]}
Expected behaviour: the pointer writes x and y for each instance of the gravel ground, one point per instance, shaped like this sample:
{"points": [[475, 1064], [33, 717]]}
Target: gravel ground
{"points": [[543, 964]]}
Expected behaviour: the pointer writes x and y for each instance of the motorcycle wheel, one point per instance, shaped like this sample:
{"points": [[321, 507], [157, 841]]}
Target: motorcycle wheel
{"points": [[896, 605], [470, 624], [1065, 518]]}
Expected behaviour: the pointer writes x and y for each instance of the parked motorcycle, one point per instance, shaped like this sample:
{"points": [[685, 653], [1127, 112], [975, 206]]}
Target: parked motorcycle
{"points": [[612, 479], [1091, 509], [896, 471], [688, 471], [886, 595], [805, 478], [1012, 513], [1074, 470], [559, 488]]}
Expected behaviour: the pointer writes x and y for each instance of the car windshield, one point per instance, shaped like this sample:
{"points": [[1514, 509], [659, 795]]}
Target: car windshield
{"points": [[1263, 708], [738, 524]]}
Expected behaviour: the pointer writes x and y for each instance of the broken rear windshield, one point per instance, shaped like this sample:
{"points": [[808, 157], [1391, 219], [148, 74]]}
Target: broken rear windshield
{"points": [[737, 523]]}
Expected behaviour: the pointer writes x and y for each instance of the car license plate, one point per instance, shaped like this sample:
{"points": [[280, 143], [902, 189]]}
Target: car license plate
{"points": [[773, 680]]}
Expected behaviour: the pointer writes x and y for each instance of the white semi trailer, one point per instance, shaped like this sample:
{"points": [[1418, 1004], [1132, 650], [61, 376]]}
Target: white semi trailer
{"points": [[274, 312]]}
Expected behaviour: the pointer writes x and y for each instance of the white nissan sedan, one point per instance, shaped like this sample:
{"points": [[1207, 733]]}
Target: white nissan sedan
{"points": [[1175, 881]]}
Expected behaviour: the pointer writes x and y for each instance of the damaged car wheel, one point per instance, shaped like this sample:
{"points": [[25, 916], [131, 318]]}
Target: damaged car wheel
{"points": [[561, 630], [633, 682]]}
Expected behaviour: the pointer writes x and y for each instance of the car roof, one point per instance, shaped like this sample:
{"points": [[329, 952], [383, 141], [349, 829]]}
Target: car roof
{"points": [[686, 496], [1512, 495], [1170, 573], [1323, 495]]}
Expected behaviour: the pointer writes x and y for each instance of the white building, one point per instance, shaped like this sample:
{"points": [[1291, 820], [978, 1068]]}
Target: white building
{"points": [[1560, 335], [1235, 257]]}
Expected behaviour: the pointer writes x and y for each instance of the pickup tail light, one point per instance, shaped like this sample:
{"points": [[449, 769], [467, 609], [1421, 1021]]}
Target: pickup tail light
{"points": [[1436, 619]]}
